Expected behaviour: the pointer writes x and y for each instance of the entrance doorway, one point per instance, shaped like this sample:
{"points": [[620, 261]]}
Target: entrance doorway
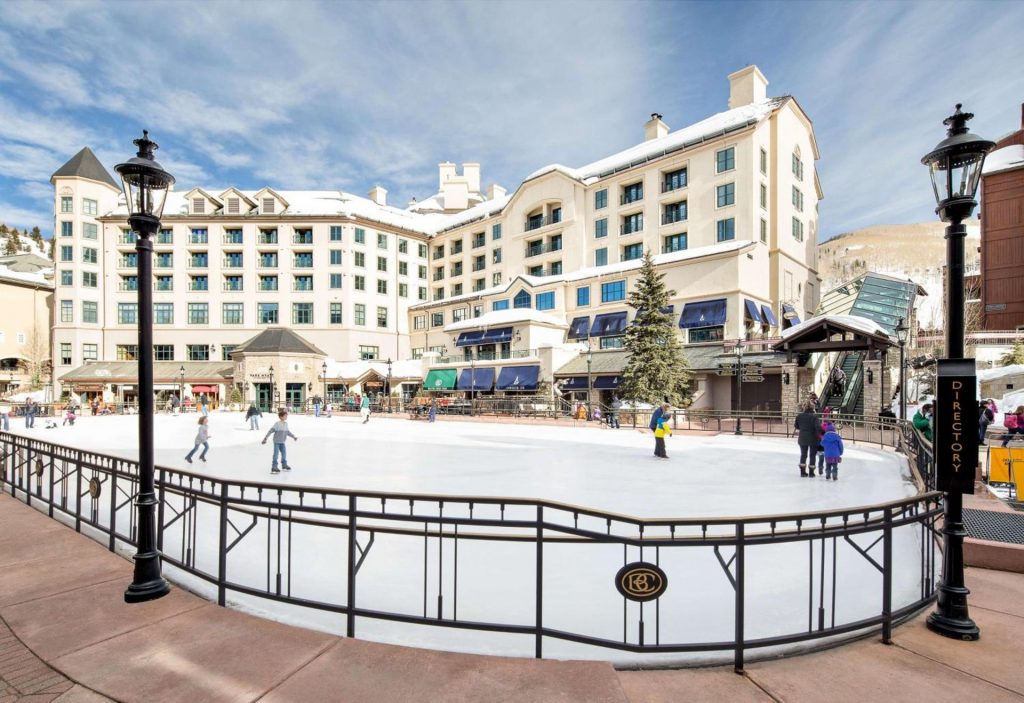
{"points": [[263, 399], [294, 396]]}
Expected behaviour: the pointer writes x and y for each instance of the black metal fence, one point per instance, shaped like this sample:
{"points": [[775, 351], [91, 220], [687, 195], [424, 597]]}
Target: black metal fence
{"points": [[532, 569]]}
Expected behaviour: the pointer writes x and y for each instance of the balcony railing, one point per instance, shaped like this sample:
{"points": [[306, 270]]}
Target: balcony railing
{"points": [[265, 287], [163, 287], [122, 264], [667, 187], [538, 222], [538, 249], [127, 238], [438, 275], [485, 356], [193, 264], [124, 286], [456, 271], [233, 287], [232, 263], [479, 266], [631, 229], [233, 238], [268, 238], [438, 254], [302, 238], [669, 218], [266, 264], [631, 197]]}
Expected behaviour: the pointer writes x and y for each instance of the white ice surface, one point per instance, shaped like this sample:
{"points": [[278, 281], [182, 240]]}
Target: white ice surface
{"points": [[602, 469]]}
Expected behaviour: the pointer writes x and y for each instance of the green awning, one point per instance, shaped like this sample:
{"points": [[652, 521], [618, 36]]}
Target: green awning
{"points": [[440, 380]]}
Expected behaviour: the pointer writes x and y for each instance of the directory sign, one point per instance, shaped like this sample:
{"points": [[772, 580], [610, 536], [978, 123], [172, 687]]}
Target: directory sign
{"points": [[955, 431]]}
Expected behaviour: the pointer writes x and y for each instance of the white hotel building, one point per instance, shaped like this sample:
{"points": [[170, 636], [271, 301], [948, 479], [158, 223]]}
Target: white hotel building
{"points": [[728, 206]]}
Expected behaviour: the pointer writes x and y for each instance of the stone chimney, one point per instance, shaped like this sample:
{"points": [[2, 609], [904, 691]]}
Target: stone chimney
{"points": [[746, 86], [471, 172], [378, 195], [495, 191], [655, 128]]}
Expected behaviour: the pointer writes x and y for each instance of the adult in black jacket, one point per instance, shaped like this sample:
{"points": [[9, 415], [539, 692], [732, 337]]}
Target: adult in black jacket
{"points": [[807, 425], [985, 418]]}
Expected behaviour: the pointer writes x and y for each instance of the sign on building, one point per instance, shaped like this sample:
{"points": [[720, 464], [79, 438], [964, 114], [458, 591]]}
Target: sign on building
{"points": [[955, 430]]}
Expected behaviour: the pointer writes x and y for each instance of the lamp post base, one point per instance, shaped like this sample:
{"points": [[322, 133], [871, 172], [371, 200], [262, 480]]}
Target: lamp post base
{"points": [[148, 583], [955, 628]]}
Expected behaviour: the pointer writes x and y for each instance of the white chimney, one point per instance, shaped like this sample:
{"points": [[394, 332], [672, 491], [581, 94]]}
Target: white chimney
{"points": [[445, 172], [495, 191], [655, 128], [379, 195], [746, 86], [471, 172]]}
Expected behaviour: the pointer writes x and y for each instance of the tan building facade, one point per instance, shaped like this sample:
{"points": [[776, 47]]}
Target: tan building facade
{"points": [[26, 300]]}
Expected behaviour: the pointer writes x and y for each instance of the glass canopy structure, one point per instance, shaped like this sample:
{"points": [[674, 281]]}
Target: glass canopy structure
{"points": [[875, 296]]}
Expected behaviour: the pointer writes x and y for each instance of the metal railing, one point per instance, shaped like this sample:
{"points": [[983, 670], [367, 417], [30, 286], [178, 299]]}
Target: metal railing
{"points": [[249, 538]]}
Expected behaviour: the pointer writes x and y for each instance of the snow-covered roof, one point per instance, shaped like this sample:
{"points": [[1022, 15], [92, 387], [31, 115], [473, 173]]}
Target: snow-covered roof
{"points": [[1008, 158], [856, 322], [1001, 372], [38, 278], [497, 318]]}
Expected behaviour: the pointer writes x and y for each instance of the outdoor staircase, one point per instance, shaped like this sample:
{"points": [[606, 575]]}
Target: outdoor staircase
{"points": [[851, 401]]}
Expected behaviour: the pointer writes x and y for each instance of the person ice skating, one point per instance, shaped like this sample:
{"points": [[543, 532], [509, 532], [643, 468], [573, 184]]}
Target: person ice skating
{"points": [[204, 406], [662, 431], [432, 413], [833, 451], [69, 415], [923, 421], [281, 434], [613, 413], [30, 413], [316, 406], [807, 425], [202, 438], [656, 417], [175, 402], [820, 448], [5, 415], [985, 418], [253, 415], [364, 409], [1014, 424]]}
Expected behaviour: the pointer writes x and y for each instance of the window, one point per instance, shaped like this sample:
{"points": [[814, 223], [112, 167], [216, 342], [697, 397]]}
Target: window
{"points": [[382, 286], [90, 311], [496, 279], [725, 160], [798, 199], [601, 257], [88, 279], [199, 235], [199, 283], [128, 261], [382, 317], [367, 353], [127, 352], [335, 233], [360, 314], [233, 260], [583, 296], [196, 260], [403, 290], [403, 268], [764, 162], [496, 255], [302, 313], [495, 231], [303, 283], [163, 313], [198, 313], [234, 208], [798, 230], [726, 229], [437, 319], [422, 293], [268, 260], [764, 196], [403, 246], [478, 310], [89, 207], [478, 284], [268, 206], [304, 260], [632, 224], [266, 313], [165, 283], [456, 246], [522, 300], [423, 273], [419, 322], [359, 282], [422, 250], [165, 260], [88, 255], [67, 229], [67, 204], [232, 236], [67, 278], [232, 313], [612, 342], [632, 193], [268, 283], [546, 301], [674, 180], [165, 236], [632, 251], [417, 352], [457, 289], [65, 351], [67, 311], [479, 239], [360, 259], [382, 263], [798, 167], [726, 195], [233, 283], [268, 236], [68, 254], [197, 352], [697, 335], [764, 231], [335, 280], [674, 212], [456, 269], [601, 199], [335, 314], [303, 236], [163, 352], [382, 241], [601, 228], [360, 235], [674, 242], [537, 270], [89, 230], [226, 350], [613, 291], [198, 206]]}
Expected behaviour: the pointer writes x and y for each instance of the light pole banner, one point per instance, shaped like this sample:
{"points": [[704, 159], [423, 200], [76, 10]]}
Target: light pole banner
{"points": [[955, 434]]}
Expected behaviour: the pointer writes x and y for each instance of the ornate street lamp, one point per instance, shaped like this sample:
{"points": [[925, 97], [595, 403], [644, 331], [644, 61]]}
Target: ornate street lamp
{"points": [[590, 381], [272, 398], [955, 167], [145, 186], [388, 362], [181, 386], [324, 368], [739, 384], [902, 333]]}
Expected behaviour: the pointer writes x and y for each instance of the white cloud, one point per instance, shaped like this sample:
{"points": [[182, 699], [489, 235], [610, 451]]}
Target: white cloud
{"points": [[16, 216]]}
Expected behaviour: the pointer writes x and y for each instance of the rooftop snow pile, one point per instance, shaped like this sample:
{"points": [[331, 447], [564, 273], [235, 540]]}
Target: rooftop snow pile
{"points": [[1006, 159], [862, 324]]}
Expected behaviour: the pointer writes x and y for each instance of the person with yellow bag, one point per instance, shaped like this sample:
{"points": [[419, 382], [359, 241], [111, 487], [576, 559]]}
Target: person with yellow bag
{"points": [[662, 429]]}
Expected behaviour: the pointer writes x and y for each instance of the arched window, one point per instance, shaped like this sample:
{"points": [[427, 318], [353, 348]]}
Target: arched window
{"points": [[522, 300]]}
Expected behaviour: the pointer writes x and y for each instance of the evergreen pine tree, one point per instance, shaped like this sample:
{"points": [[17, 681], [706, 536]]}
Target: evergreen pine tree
{"points": [[13, 243], [656, 369], [53, 249], [1014, 356], [37, 237]]}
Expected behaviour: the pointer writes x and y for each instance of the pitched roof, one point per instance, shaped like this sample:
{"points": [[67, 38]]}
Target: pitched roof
{"points": [[274, 340], [163, 371], [84, 164]]}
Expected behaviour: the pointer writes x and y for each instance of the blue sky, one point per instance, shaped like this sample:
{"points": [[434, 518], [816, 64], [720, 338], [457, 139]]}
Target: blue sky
{"points": [[308, 95]]}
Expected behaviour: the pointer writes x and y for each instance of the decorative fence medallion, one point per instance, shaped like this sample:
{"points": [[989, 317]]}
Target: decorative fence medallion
{"points": [[94, 487], [39, 467], [641, 581]]}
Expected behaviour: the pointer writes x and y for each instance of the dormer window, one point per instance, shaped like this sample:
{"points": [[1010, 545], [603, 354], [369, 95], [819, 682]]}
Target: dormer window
{"points": [[234, 206], [268, 206], [198, 206]]}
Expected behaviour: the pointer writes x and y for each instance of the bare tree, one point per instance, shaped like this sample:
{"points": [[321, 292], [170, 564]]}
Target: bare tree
{"points": [[37, 351]]}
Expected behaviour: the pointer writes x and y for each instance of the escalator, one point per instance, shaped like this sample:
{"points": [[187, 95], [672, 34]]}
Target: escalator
{"points": [[851, 400]]}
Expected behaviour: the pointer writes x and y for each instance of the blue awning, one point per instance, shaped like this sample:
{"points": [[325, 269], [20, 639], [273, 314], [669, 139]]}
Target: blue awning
{"points": [[518, 378], [607, 382], [669, 310], [580, 327], [789, 316], [471, 379], [497, 336], [707, 313], [768, 315], [752, 312], [573, 383], [467, 339], [608, 324]]}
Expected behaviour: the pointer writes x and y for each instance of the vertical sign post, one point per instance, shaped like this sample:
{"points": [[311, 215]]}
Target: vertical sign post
{"points": [[955, 432]]}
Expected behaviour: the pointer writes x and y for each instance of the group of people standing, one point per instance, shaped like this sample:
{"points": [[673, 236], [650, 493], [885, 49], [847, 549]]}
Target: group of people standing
{"points": [[818, 440], [1013, 421]]}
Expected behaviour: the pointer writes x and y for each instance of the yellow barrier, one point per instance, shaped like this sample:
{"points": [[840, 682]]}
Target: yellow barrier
{"points": [[1005, 464]]}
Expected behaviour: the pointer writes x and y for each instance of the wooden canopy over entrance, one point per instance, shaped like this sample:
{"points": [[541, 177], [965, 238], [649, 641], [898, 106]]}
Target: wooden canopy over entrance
{"points": [[826, 334]]}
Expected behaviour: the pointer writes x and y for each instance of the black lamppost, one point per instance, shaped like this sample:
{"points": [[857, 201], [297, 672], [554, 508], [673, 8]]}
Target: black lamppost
{"points": [[324, 368], [902, 332], [388, 362], [272, 397], [590, 379], [472, 378], [181, 386], [955, 165], [145, 186], [739, 384]]}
